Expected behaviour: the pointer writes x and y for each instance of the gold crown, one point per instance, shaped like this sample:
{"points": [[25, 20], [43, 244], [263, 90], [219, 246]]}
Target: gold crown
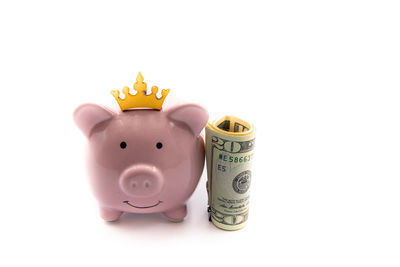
{"points": [[141, 99]]}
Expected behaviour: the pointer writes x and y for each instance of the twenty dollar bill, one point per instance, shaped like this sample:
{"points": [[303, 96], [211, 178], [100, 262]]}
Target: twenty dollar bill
{"points": [[229, 155]]}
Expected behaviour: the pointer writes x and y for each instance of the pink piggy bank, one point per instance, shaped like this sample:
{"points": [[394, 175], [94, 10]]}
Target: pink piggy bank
{"points": [[143, 161]]}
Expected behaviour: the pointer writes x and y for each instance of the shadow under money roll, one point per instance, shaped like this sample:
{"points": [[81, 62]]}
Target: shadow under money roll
{"points": [[229, 155]]}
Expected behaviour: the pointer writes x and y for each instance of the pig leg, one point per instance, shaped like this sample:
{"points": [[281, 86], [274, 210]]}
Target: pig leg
{"points": [[109, 215], [177, 214]]}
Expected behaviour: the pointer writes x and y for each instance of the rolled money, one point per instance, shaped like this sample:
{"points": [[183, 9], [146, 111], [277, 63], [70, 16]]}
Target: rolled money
{"points": [[229, 156]]}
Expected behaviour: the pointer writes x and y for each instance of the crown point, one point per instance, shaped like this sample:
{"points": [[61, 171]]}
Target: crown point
{"points": [[115, 93], [125, 90], [139, 85], [139, 78], [154, 90], [165, 92]]}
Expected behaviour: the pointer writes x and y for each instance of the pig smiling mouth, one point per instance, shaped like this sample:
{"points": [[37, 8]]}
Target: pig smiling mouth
{"points": [[127, 202]]}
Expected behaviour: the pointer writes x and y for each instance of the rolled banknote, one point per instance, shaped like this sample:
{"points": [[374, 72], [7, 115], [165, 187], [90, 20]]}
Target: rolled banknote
{"points": [[229, 155]]}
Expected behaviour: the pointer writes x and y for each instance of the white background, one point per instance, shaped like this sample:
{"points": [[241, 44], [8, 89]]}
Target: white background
{"points": [[320, 80]]}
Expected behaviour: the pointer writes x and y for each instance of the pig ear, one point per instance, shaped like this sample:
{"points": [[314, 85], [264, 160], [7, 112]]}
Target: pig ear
{"points": [[192, 115], [87, 116]]}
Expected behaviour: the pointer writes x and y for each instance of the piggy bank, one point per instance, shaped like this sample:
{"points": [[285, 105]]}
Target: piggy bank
{"points": [[143, 160]]}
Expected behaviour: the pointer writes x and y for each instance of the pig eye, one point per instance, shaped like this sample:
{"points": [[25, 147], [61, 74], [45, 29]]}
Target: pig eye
{"points": [[159, 145], [122, 145]]}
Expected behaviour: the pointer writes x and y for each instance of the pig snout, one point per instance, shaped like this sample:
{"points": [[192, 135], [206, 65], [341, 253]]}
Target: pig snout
{"points": [[141, 180]]}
